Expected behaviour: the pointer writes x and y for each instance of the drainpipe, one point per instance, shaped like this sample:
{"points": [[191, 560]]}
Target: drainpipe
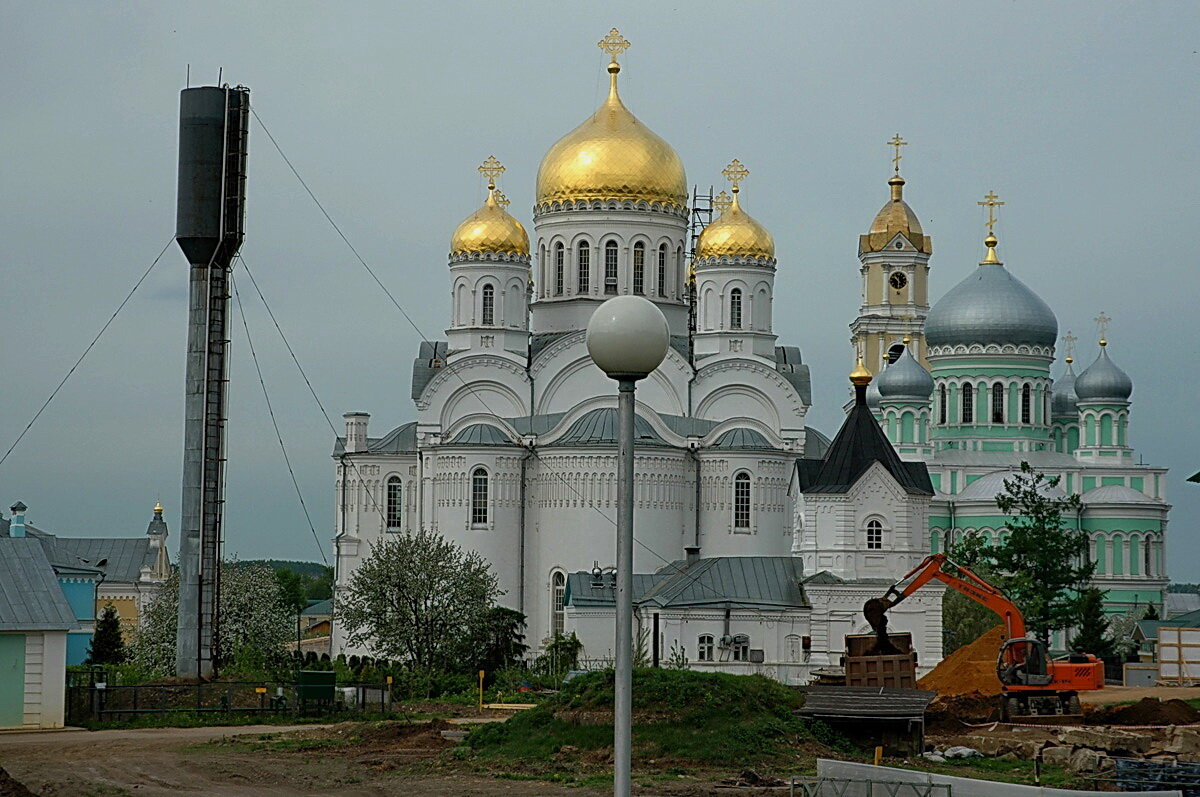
{"points": [[521, 563], [696, 514]]}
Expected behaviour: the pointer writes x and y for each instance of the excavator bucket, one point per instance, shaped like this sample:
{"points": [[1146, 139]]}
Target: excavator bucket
{"points": [[875, 610]]}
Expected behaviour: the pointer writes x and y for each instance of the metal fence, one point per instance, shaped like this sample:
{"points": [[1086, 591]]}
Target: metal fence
{"points": [[861, 787], [98, 702]]}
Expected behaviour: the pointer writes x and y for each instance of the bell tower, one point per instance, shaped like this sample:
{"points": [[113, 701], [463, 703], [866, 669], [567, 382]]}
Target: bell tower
{"points": [[894, 257]]}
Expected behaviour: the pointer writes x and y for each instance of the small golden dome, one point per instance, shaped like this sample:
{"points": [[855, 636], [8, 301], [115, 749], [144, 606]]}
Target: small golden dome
{"points": [[895, 217], [735, 233], [860, 376], [612, 156], [490, 229], [158, 510]]}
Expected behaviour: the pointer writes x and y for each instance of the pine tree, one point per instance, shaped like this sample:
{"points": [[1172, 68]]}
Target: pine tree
{"points": [[107, 646], [1151, 613], [1091, 634]]}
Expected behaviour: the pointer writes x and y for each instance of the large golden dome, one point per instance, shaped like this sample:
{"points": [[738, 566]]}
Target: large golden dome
{"points": [[612, 156], [735, 233], [490, 229], [895, 217]]}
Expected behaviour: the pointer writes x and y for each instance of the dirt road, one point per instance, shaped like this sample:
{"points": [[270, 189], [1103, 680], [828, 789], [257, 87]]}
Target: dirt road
{"points": [[1130, 694], [171, 761]]}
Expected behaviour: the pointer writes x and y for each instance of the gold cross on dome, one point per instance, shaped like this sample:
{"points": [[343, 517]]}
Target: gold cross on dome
{"points": [[614, 44], [897, 142], [1069, 344], [989, 200], [722, 202], [735, 172], [491, 169], [502, 200], [1102, 321]]}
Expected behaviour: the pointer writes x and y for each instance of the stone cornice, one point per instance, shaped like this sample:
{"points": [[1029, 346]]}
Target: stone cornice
{"points": [[488, 257], [720, 261], [547, 208], [959, 350], [473, 361]]}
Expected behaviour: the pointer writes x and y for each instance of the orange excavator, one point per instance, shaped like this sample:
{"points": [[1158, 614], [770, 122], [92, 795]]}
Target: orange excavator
{"points": [[1032, 684]]}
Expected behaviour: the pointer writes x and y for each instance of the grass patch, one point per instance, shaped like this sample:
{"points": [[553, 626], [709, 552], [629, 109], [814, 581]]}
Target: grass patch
{"points": [[682, 717], [1003, 770], [203, 719]]}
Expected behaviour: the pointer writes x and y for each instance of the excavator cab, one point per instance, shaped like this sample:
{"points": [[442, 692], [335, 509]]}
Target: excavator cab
{"points": [[1024, 662]]}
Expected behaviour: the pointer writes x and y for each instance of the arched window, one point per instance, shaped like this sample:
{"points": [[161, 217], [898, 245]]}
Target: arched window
{"points": [[559, 268], [583, 262], [735, 308], [395, 503], [662, 270], [639, 268], [479, 497], [610, 267], [489, 305], [741, 502], [874, 535], [942, 404], [704, 648], [968, 403], [558, 599], [1147, 556], [997, 403], [1026, 403]]}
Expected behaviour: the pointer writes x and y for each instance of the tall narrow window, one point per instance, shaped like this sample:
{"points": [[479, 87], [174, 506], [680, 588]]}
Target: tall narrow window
{"points": [[741, 502], [735, 308], [479, 497], [874, 535], [395, 499], [610, 267], [942, 404], [558, 614], [559, 257], [704, 649], [662, 270], [997, 403], [741, 648], [968, 403], [489, 305], [1026, 403], [639, 268], [583, 261]]}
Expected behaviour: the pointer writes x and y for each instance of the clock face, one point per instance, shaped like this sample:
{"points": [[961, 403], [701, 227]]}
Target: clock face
{"points": [[898, 281]]}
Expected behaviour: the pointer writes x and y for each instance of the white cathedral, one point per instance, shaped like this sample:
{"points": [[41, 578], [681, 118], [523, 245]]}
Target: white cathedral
{"points": [[757, 538]]}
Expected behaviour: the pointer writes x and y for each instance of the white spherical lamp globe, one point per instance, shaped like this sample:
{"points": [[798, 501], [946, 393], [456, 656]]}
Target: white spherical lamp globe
{"points": [[627, 337]]}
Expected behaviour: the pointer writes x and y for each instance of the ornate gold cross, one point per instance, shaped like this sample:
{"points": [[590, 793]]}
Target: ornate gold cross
{"points": [[1069, 344], [735, 172], [897, 142], [989, 200], [502, 200], [722, 202], [614, 44], [491, 168], [1102, 321]]}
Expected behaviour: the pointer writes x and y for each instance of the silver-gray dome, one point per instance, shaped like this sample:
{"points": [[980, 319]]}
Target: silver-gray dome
{"points": [[991, 306], [1103, 381], [873, 397], [1063, 402], [905, 379]]}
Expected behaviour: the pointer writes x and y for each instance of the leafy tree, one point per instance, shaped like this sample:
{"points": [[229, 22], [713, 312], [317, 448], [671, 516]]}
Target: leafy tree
{"points": [[416, 598], [108, 647], [1044, 559], [320, 587], [964, 620], [254, 620], [561, 654], [1151, 613], [1091, 633], [498, 642], [292, 587]]}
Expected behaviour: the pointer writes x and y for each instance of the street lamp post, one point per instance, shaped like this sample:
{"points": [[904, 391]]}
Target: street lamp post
{"points": [[627, 337]]}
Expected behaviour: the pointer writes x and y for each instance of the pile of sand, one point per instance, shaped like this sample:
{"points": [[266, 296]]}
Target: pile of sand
{"points": [[971, 668]]}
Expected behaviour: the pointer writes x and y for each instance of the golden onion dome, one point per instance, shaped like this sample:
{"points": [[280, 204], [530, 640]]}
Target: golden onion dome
{"points": [[490, 229], [612, 156], [895, 217], [735, 233]]}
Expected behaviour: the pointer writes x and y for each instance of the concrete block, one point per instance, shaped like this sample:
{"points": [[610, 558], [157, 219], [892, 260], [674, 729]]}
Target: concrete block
{"points": [[1057, 756], [1110, 740], [1182, 741]]}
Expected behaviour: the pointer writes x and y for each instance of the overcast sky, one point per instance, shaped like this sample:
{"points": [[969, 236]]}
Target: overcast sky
{"points": [[1082, 116]]}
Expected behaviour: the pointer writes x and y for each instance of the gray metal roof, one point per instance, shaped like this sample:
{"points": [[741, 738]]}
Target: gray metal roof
{"points": [[744, 438], [904, 379], [990, 485], [401, 440], [30, 596], [1117, 494], [864, 702], [991, 306], [482, 434], [1103, 380], [789, 364], [318, 608], [430, 357], [599, 427], [816, 443], [1177, 603], [1063, 401], [126, 557], [766, 582], [1002, 459]]}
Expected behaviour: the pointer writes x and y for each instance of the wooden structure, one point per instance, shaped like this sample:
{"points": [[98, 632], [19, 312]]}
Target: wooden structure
{"points": [[864, 666]]}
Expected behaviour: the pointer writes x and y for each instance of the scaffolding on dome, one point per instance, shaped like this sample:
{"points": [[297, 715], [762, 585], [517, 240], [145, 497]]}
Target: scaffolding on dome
{"points": [[700, 216]]}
